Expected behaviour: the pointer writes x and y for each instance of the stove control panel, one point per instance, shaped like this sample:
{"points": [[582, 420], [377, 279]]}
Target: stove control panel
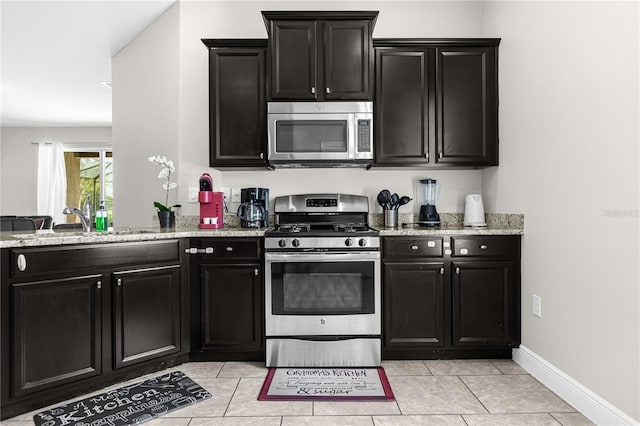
{"points": [[321, 243]]}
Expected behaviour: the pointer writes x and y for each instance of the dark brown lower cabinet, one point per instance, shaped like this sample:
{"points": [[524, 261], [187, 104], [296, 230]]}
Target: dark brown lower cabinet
{"points": [[484, 308], [76, 318], [227, 300], [56, 332], [451, 297], [413, 305], [146, 314]]}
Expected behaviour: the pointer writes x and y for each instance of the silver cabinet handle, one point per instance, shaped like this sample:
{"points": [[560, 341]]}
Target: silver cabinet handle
{"points": [[256, 272], [457, 270], [431, 243], [22, 262], [441, 271], [483, 247], [99, 285], [440, 155], [229, 249], [328, 90], [313, 90], [261, 155], [414, 247], [119, 282]]}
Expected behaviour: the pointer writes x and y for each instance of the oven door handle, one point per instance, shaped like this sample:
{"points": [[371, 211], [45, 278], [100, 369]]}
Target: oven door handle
{"points": [[323, 256]]}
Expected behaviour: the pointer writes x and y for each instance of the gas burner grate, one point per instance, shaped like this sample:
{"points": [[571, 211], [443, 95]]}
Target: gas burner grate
{"points": [[294, 227], [350, 227]]}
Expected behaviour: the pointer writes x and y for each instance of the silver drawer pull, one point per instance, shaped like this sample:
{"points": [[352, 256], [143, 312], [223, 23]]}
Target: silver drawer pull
{"points": [[414, 247], [208, 250], [119, 282], [441, 271], [313, 90], [256, 272], [457, 270], [229, 249], [483, 247], [431, 244], [22, 262], [99, 285], [464, 251]]}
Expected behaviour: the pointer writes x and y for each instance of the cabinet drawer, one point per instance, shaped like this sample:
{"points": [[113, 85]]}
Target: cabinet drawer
{"points": [[73, 258], [494, 246], [225, 248], [412, 247]]}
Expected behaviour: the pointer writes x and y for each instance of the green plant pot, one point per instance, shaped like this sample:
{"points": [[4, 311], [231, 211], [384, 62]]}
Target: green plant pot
{"points": [[167, 219]]}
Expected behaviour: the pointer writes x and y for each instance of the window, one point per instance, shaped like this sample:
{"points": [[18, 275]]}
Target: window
{"points": [[89, 174]]}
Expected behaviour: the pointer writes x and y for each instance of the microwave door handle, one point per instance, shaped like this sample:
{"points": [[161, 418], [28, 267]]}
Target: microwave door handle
{"points": [[351, 136]]}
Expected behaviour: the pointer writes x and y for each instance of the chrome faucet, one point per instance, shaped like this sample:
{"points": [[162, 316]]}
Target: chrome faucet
{"points": [[86, 222]]}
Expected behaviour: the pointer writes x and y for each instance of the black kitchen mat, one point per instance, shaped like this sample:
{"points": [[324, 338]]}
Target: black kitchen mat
{"points": [[128, 405]]}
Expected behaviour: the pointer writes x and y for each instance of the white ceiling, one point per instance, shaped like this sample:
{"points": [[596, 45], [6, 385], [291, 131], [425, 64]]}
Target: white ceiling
{"points": [[55, 54]]}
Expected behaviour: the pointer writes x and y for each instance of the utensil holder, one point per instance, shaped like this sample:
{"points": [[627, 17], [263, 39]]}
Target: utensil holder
{"points": [[390, 218]]}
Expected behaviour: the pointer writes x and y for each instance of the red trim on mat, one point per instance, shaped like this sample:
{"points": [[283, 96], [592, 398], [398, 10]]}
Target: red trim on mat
{"points": [[388, 393]]}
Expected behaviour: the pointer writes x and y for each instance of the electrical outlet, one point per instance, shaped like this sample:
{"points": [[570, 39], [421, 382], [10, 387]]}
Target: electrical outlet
{"points": [[537, 306], [227, 193], [193, 194], [235, 195]]}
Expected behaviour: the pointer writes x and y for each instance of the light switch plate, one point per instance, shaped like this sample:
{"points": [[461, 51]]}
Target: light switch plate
{"points": [[193, 194], [537, 306], [235, 195]]}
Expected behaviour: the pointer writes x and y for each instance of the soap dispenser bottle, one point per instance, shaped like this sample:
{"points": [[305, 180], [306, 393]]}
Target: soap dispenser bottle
{"points": [[101, 218]]}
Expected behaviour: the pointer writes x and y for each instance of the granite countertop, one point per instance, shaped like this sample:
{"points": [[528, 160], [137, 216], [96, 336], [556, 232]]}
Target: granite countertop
{"points": [[497, 224]]}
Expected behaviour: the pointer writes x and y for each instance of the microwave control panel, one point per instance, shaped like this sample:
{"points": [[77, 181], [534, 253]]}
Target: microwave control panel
{"points": [[364, 135]]}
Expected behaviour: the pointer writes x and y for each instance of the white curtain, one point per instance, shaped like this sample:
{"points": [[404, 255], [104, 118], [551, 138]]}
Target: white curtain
{"points": [[52, 181]]}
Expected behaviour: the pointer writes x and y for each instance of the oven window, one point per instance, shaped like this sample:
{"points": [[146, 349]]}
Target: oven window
{"points": [[323, 288], [311, 136]]}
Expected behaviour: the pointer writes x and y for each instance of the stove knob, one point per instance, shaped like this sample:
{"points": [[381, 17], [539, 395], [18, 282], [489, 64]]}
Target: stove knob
{"points": [[282, 243], [362, 242], [348, 242], [295, 242]]}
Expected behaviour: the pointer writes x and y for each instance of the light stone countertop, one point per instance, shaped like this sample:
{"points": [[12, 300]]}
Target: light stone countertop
{"points": [[498, 224]]}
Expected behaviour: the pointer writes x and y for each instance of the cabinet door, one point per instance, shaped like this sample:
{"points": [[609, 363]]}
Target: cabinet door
{"points": [[413, 305], [231, 296], [404, 93], [467, 106], [56, 328], [293, 60], [238, 115], [484, 304], [146, 322], [347, 60]]}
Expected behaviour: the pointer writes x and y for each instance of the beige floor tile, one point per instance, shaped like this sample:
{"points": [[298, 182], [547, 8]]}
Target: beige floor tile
{"points": [[405, 368], [354, 408], [245, 402], [164, 421], [514, 394], [572, 419], [12, 422], [434, 395], [461, 367], [437, 420], [236, 421], [243, 369], [327, 420], [539, 419], [197, 370], [221, 391], [508, 366]]}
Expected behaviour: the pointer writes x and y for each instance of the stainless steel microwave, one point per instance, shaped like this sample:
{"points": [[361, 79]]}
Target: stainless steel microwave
{"points": [[320, 134]]}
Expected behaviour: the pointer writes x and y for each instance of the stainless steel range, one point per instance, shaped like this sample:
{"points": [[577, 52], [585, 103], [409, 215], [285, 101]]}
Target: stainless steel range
{"points": [[322, 291]]}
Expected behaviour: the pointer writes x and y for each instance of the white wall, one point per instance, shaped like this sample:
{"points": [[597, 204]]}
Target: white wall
{"points": [[145, 118], [569, 161], [19, 161]]}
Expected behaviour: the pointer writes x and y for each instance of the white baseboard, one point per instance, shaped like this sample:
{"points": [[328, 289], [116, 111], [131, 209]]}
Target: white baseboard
{"points": [[581, 398]]}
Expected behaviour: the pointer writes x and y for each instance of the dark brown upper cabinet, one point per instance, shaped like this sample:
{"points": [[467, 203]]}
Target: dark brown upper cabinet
{"points": [[237, 103], [436, 102], [319, 56]]}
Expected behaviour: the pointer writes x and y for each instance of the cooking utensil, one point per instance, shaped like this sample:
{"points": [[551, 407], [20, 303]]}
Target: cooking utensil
{"points": [[403, 200], [382, 199], [394, 201]]}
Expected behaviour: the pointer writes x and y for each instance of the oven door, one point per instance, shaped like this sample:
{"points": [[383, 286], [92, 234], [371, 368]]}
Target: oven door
{"points": [[322, 294]]}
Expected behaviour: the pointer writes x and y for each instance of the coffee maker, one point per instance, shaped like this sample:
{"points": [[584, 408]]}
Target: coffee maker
{"points": [[211, 204], [254, 208], [429, 192]]}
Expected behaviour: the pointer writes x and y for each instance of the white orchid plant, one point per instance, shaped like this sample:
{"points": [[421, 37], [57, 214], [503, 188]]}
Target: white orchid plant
{"points": [[165, 173]]}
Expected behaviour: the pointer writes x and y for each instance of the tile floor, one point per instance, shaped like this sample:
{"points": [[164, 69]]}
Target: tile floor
{"points": [[457, 392]]}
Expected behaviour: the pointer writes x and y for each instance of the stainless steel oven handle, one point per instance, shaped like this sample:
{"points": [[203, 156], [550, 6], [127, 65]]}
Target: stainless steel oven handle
{"points": [[323, 256]]}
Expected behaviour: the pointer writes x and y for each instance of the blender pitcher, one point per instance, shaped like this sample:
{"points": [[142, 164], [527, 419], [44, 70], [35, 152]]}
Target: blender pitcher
{"points": [[430, 192]]}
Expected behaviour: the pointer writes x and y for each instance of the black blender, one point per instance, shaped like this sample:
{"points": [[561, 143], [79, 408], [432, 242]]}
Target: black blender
{"points": [[430, 192]]}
